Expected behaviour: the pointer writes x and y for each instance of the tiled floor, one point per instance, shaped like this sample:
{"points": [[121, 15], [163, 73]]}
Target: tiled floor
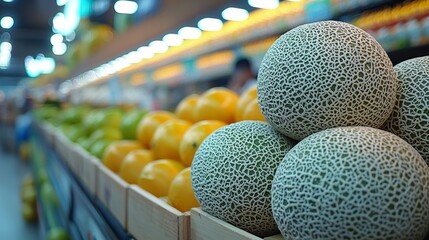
{"points": [[12, 225]]}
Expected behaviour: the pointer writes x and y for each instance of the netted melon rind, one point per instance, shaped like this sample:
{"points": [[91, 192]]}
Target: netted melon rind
{"points": [[352, 183], [410, 117], [324, 75], [232, 173]]}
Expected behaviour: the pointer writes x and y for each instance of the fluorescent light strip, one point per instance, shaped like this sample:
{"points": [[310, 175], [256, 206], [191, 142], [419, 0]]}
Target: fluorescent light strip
{"points": [[7, 22], [210, 24], [266, 4], [158, 46], [189, 33], [235, 14], [56, 39], [126, 7], [172, 40]]}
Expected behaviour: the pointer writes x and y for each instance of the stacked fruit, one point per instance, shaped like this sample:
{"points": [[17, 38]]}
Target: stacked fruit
{"points": [[29, 199], [322, 167], [158, 157]]}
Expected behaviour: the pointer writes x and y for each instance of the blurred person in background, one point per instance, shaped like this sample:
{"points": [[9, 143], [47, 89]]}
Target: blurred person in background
{"points": [[243, 77], [8, 117]]}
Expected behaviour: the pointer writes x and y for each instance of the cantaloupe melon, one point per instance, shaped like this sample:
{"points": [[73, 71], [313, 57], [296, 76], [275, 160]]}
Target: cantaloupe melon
{"points": [[352, 183], [232, 173], [323, 75], [410, 117]]}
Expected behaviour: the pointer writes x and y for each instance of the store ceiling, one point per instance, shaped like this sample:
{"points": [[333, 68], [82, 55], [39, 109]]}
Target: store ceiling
{"points": [[29, 35]]}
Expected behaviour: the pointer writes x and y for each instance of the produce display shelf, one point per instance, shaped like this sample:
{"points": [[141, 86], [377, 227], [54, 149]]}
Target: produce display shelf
{"points": [[86, 217], [59, 215]]}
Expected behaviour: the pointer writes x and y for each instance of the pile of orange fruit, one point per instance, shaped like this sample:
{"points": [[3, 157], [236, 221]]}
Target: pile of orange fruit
{"points": [[159, 159]]}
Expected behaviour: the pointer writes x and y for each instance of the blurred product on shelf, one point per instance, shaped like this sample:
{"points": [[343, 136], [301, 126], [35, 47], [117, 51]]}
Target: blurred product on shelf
{"points": [[399, 26]]}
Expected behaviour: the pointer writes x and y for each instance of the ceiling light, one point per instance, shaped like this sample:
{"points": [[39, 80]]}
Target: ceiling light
{"points": [[235, 14], [4, 60], [6, 22], [189, 33], [46, 64], [119, 64], [59, 21], [7, 0], [59, 49], [172, 40], [267, 4], [61, 2], [71, 36], [57, 39], [145, 52], [39, 65], [210, 24], [125, 7], [133, 57], [5, 47], [67, 21], [107, 68], [158, 47]]}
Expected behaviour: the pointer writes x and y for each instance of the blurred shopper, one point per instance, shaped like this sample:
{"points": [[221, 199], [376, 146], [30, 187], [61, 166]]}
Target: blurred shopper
{"points": [[243, 77]]}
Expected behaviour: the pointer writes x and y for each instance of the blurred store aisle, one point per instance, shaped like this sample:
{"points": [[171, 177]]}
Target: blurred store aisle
{"points": [[12, 225]]}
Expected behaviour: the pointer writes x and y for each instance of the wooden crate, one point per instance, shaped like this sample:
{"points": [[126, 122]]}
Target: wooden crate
{"points": [[112, 192], [207, 227], [62, 147], [74, 157], [88, 169], [150, 218]]}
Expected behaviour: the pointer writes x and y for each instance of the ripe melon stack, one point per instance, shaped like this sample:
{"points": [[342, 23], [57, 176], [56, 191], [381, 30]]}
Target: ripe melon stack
{"points": [[330, 86]]}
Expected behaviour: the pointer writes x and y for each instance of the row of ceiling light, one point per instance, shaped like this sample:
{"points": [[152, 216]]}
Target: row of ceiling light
{"points": [[6, 22], [161, 46]]}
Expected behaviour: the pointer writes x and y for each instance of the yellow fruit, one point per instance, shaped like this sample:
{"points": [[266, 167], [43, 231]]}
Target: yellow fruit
{"points": [[243, 102], [133, 164], [253, 112], [166, 140], [180, 193], [217, 104], [149, 124], [29, 212], [194, 137], [116, 152], [186, 108], [157, 176]]}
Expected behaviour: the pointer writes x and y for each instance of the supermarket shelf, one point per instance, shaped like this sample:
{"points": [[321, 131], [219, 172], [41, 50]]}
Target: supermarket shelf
{"points": [[59, 217], [82, 215], [373, 5]]}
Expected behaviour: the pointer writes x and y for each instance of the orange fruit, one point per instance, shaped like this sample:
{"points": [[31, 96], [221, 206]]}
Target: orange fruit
{"points": [[166, 140], [243, 102], [186, 108], [157, 176], [149, 124], [133, 164], [217, 104], [194, 137], [180, 193], [253, 112], [116, 152]]}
